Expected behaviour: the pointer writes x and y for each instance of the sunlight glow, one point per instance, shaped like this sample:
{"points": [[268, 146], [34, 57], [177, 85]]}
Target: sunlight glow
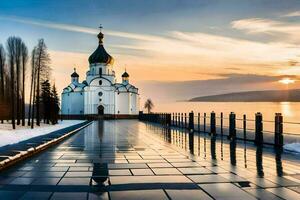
{"points": [[287, 81]]}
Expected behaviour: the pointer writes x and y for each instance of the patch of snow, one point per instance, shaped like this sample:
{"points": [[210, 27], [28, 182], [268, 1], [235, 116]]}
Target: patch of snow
{"points": [[294, 147], [21, 133]]}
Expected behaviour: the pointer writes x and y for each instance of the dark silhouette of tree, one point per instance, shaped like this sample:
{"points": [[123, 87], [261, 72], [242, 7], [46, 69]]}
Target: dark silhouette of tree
{"points": [[32, 88], [149, 105], [2, 76], [43, 69], [11, 57], [46, 101], [54, 105], [18, 44], [24, 54]]}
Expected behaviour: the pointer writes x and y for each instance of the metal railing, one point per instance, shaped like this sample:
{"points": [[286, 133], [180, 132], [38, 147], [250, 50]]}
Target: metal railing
{"points": [[231, 126]]}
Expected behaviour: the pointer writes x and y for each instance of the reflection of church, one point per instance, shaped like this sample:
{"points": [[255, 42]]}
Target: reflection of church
{"points": [[99, 93]]}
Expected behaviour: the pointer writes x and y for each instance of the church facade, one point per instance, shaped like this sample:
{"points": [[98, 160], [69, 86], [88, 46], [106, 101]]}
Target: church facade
{"points": [[99, 94]]}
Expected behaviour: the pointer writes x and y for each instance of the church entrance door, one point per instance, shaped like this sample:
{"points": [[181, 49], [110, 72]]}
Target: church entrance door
{"points": [[100, 110]]}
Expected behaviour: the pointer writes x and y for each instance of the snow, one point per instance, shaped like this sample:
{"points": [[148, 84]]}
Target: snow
{"points": [[21, 133], [294, 147]]}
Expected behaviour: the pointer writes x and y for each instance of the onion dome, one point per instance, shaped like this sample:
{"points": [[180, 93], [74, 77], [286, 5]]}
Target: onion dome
{"points": [[100, 55], [74, 74], [125, 75]]}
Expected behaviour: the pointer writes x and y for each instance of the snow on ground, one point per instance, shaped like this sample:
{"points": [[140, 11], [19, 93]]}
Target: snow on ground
{"points": [[294, 147], [21, 133]]}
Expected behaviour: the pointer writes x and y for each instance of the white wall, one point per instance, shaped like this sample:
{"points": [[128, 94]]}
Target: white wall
{"points": [[72, 103], [123, 103], [92, 97]]}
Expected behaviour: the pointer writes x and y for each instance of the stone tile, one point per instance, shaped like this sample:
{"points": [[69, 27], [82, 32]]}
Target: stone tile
{"points": [[44, 174], [146, 161], [232, 177], [208, 179], [69, 196], [149, 179], [22, 181], [159, 165], [185, 164], [78, 174], [77, 169], [140, 172], [282, 181], [45, 181], [127, 166], [194, 170], [138, 195], [74, 181], [36, 196], [284, 193], [262, 194], [98, 196], [188, 195], [10, 195], [166, 171], [226, 191], [262, 182], [119, 172]]}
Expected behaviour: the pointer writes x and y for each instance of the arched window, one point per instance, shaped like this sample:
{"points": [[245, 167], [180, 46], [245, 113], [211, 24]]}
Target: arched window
{"points": [[100, 71], [100, 82]]}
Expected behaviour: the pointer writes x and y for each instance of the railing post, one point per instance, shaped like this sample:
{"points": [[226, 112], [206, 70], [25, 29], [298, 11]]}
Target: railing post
{"points": [[199, 123], [232, 126], [204, 122], [278, 139], [181, 120], [185, 121], [191, 121], [213, 123], [245, 127], [259, 139], [191, 132], [221, 123]]}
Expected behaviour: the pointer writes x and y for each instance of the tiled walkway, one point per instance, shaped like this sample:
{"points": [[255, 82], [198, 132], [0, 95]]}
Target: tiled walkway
{"points": [[127, 159]]}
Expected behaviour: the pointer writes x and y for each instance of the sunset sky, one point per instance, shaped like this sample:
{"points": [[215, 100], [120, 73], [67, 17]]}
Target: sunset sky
{"points": [[172, 49]]}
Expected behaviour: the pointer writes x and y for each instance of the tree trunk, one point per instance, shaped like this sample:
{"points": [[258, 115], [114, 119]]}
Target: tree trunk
{"points": [[38, 91]]}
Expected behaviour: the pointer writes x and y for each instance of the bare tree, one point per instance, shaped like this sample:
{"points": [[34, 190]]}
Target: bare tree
{"points": [[18, 43], [32, 89], [149, 105], [11, 58], [43, 70], [24, 54], [2, 75]]}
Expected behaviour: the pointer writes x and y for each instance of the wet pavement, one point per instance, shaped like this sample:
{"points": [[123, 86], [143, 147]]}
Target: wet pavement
{"points": [[128, 159]]}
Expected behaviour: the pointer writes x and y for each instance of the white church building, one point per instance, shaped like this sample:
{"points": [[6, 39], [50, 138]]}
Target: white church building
{"points": [[99, 94]]}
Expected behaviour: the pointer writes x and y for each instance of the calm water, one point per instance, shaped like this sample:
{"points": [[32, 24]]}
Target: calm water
{"points": [[289, 110]]}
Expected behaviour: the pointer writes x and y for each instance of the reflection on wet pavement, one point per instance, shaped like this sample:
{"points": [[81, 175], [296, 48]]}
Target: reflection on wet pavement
{"points": [[128, 159]]}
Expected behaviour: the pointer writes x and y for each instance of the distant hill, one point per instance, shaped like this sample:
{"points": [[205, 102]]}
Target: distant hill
{"points": [[254, 96]]}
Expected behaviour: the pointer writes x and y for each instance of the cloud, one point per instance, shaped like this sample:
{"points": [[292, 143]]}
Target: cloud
{"points": [[227, 83], [292, 14], [283, 30], [74, 28]]}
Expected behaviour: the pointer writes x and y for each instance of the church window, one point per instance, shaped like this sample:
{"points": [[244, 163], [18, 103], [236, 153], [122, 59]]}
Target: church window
{"points": [[100, 71], [100, 94], [100, 99], [100, 82]]}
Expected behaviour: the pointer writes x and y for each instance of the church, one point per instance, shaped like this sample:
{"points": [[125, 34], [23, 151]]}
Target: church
{"points": [[99, 93]]}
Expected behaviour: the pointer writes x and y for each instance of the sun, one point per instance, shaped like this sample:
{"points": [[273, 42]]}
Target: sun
{"points": [[287, 81]]}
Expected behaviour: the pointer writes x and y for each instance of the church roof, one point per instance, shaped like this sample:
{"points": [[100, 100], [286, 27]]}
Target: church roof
{"points": [[74, 74], [100, 55], [125, 75]]}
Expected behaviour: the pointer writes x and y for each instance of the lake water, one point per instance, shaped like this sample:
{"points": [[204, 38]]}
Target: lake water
{"points": [[289, 110]]}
